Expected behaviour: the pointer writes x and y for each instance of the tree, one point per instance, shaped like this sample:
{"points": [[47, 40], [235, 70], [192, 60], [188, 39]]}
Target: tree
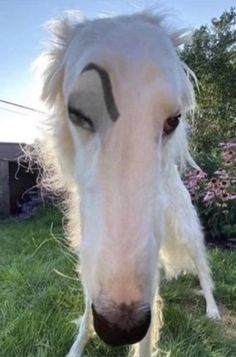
{"points": [[212, 56]]}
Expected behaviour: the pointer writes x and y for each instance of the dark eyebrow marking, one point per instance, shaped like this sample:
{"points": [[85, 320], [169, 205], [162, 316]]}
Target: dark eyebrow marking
{"points": [[107, 90]]}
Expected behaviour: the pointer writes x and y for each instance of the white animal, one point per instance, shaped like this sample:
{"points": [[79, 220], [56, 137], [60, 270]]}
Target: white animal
{"points": [[118, 95]]}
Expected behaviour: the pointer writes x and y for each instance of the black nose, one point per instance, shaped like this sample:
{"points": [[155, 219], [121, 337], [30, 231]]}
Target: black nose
{"points": [[125, 325]]}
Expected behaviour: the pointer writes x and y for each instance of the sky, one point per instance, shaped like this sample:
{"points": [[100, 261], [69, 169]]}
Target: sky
{"points": [[23, 35]]}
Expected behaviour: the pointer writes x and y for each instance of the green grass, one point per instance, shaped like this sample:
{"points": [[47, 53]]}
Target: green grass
{"points": [[40, 295]]}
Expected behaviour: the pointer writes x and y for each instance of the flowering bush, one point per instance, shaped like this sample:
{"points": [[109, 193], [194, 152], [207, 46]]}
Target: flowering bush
{"points": [[215, 196]]}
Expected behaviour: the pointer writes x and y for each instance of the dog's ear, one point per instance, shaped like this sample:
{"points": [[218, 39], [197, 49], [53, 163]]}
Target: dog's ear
{"points": [[50, 65], [178, 37], [56, 150]]}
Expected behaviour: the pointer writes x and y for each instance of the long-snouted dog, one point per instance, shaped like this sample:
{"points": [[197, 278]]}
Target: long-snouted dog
{"points": [[118, 95]]}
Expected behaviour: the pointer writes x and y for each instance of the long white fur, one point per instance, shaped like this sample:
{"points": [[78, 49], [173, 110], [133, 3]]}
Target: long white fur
{"points": [[177, 227]]}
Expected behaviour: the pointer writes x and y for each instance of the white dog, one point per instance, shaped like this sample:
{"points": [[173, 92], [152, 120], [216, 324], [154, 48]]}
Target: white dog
{"points": [[118, 95]]}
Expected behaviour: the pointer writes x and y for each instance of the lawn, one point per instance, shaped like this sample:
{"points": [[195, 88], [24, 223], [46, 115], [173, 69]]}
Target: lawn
{"points": [[40, 296]]}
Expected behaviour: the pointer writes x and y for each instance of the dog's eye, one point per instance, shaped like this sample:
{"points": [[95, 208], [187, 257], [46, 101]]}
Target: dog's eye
{"points": [[79, 118], [171, 124]]}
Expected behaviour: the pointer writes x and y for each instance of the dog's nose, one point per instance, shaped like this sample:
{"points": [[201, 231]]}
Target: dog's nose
{"points": [[125, 325]]}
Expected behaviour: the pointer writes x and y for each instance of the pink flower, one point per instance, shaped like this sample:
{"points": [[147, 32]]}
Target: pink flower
{"points": [[224, 184], [230, 145], [219, 172], [231, 197], [201, 175], [225, 196], [209, 196]]}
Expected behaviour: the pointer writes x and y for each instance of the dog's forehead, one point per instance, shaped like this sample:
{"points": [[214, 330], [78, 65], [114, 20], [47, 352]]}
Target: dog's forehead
{"points": [[129, 67], [120, 46]]}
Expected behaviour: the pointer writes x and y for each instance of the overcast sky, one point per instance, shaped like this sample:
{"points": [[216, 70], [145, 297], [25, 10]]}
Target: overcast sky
{"points": [[22, 35]]}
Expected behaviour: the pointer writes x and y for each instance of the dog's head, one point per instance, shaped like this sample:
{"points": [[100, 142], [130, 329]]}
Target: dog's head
{"points": [[118, 93]]}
